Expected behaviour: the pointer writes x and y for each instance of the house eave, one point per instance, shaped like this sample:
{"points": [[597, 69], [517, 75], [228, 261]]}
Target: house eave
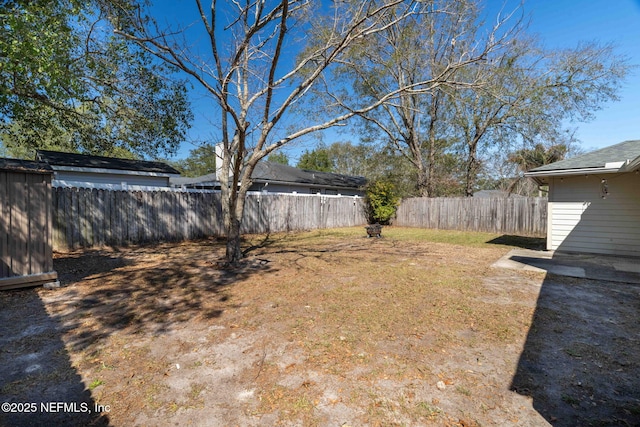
{"points": [[541, 177]]}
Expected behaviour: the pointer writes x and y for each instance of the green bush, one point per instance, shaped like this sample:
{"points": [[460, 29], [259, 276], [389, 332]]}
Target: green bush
{"points": [[382, 201]]}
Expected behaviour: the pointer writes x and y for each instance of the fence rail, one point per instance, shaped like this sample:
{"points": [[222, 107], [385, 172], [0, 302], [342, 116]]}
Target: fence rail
{"points": [[95, 217], [521, 216]]}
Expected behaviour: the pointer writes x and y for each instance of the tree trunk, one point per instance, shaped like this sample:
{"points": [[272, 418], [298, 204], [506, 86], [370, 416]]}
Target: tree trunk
{"points": [[234, 250], [234, 196], [469, 179], [430, 186], [422, 184], [236, 211], [472, 170]]}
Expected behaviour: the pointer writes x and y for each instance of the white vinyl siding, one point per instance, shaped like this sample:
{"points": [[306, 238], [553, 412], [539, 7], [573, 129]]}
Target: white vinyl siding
{"points": [[581, 220]]}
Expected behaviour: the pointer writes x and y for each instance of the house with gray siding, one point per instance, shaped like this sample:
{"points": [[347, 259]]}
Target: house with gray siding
{"points": [[85, 171], [594, 201], [271, 177]]}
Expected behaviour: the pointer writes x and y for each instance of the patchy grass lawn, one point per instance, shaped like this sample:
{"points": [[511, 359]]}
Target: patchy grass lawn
{"points": [[319, 328]]}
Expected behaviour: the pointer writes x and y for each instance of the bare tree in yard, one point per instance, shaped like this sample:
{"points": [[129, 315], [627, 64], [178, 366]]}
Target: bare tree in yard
{"points": [[250, 70], [526, 95], [433, 46]]}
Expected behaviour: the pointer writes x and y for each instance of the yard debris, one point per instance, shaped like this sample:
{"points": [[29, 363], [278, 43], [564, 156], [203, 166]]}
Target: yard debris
{"points": [[441, 385], [52, 285]]}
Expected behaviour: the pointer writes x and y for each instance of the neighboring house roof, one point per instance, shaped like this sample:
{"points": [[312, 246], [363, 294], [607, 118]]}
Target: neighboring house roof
{"points": [[283, 174], [60, 160], [279, 173], [24, 166], [208, 180], [623, 157]]}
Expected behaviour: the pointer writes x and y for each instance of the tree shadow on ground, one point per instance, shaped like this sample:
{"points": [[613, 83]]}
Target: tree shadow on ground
{"points": [[524, 242], [36, 370], [143, 290], [73, 267], [580, 363]]}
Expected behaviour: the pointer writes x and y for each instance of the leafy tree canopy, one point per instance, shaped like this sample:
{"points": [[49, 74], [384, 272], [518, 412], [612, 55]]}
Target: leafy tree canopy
{"points": [[67, 83], [531, 158], [201, 161], [279, 157], [317, 160]]}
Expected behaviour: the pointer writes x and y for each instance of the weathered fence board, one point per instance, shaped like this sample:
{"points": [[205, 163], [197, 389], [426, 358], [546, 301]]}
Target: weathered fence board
{"points": [[521, 216], [90, 217]]}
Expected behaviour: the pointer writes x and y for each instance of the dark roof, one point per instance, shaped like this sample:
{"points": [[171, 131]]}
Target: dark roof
{"points": [[57, 158], [269, 171], [24, 166], [275, 172], [628, 150]]}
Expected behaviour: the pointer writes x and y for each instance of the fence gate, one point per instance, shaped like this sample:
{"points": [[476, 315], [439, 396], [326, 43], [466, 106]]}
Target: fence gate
{"points": [[26, 257]]}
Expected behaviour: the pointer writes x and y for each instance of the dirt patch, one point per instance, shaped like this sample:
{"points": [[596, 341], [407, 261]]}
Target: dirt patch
{"points": [[325, 328]]}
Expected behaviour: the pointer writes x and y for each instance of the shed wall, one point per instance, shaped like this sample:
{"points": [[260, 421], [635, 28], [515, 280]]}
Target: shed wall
{"points": [[582, 220], [25, 228]]}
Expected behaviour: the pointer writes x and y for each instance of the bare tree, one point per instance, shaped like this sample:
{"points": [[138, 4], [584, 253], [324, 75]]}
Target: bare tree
{"points": [[527, 93], [433, 46], [249, 71]]}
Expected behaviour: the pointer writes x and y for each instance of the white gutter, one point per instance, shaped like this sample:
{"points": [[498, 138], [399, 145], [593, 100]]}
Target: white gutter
{"points": [[608, 168]]}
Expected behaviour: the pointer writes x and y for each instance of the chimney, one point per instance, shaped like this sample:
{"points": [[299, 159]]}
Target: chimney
{"points": [[219, 152]]}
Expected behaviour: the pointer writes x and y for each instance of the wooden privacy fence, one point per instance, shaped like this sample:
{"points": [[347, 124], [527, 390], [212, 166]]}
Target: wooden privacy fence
{"points": [[90, 217], [522, 216]]}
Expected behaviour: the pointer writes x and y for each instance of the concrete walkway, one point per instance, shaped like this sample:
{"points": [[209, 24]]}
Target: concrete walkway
{"points": [[589, 266]]}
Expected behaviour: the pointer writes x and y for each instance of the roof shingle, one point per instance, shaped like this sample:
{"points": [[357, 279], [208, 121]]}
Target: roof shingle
{"points": [[628, 150]]}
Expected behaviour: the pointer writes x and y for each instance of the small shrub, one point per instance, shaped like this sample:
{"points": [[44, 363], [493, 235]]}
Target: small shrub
{"points": [[95, 383], [382, 202]]}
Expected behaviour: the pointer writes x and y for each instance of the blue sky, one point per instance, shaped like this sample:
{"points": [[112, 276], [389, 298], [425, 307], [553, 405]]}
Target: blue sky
{"points": [[564, 23], [559, 24]]}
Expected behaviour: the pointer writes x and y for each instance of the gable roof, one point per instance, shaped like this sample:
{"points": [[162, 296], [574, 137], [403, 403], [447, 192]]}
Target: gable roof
{"points": [[622, 157], [58, 159], [278, 173]]}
